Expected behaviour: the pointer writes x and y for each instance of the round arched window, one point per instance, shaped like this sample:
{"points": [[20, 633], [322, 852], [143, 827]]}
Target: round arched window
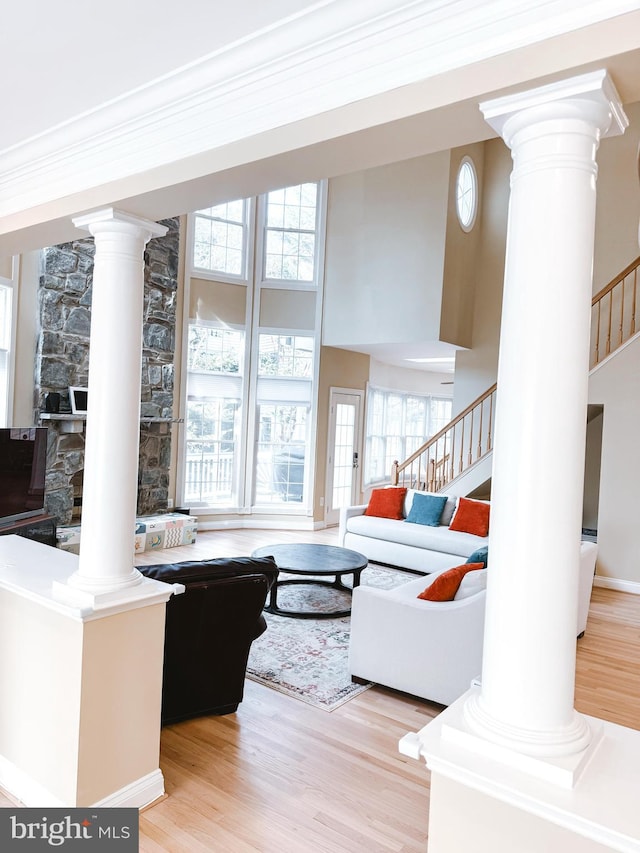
{"points": [[467, 194]]}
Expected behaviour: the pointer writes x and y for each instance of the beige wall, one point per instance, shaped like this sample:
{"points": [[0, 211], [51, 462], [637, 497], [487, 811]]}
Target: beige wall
{"points": [[385, 253], [212, 301], [122, 657], [477, 368], [461, 257], [288, 309], [338, 369]]}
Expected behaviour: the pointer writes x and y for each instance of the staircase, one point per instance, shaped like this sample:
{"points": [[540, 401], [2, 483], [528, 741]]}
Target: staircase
{"points": [[463, 448]]}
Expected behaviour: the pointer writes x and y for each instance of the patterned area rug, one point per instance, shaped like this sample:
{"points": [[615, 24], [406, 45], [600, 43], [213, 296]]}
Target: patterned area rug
{"points": [[308, 658]]}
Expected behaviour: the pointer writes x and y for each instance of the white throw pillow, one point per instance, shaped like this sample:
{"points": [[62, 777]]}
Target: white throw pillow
{"points": [[471, 583]]}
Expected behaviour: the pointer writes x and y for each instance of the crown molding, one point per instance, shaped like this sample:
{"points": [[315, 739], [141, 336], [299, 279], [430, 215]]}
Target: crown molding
{"points": [[327, 56]]}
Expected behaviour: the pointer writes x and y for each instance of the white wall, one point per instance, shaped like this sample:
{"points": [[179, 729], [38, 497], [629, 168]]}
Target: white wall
{"points": [[409, 379], [384, 263], [618, 202], [477, 368], [462, 820], [461, 266], [616, 385]]}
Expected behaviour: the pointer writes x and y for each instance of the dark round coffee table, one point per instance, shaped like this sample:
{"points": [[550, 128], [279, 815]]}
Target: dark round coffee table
{"points": [[310, 560]]}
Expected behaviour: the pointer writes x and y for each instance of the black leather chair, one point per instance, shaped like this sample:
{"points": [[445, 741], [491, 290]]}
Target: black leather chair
{"points": [[209, 631]]}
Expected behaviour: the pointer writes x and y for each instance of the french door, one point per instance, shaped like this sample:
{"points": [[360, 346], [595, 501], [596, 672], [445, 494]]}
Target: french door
{"points": [[344, 451]]}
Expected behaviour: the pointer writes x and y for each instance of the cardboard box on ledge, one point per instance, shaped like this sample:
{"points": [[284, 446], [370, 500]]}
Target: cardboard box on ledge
{"points": [[152, 532]]}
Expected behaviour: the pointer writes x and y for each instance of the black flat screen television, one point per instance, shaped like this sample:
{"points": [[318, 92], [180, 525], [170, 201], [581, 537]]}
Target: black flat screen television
{"points": [[23, 462]]}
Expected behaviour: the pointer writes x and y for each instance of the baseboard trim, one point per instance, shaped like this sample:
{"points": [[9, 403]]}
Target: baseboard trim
{"points": [[139, 794], [26, 790], [618, 584], [259, 524], [32, 794]]}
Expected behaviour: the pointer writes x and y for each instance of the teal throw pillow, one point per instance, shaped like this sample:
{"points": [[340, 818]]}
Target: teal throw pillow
{"points": [[480, 556], [426, 509]]}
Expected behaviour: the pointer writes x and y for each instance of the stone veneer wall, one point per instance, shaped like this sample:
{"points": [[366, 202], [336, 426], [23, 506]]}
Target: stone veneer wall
{"points": [[63, 361]]}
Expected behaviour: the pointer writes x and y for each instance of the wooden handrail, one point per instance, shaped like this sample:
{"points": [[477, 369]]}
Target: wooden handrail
{"points": [[446, 464], [448, 427], [614, 299], [625, 272], [449, 430]]}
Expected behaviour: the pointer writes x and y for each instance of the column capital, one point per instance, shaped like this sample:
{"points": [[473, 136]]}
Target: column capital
{"points": [[88, 221], [595, 92]]}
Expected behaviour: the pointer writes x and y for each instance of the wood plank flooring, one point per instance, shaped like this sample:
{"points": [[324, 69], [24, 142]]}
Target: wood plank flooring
{"points": [[280, 776]]}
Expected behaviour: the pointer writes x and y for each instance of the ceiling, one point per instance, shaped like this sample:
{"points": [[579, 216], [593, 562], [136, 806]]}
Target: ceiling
{"points": [[76, 73]]}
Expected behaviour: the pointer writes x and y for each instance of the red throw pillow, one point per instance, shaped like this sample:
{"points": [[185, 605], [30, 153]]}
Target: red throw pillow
{"points": [[387, 503], [445, 586], [471, 517]]}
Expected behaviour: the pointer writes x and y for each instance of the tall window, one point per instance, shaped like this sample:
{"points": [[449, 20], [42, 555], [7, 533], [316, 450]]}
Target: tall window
{"points": [[285, 372], [220, 239], [248, 429], [290, 233], [5, 350], [214, 394], [397, 425]]}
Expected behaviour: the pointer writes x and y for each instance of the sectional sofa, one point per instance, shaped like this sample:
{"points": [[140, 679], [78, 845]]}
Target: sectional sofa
{"points": [[417, 547], [430, 649]]}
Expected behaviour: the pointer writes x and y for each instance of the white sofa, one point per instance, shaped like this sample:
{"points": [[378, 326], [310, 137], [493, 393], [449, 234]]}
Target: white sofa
{"points": [[431, 649], [416, 547]]}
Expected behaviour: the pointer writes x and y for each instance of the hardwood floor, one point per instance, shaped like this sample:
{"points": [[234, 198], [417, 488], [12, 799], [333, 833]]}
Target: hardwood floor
{"points": [[280, 775]]}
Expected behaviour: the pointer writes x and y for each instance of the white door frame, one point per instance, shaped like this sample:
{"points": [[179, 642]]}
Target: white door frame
{"points": [[331, 515]]}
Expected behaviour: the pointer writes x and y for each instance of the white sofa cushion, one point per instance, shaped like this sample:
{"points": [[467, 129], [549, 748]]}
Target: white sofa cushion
{"points": [[416, 535]]}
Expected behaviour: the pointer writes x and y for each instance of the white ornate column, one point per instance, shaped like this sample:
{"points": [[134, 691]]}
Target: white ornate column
{"points": [[525, 702], [113, 415]]}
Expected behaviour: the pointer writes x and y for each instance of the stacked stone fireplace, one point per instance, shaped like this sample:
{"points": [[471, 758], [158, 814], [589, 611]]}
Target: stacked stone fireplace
{"points": [[62, 362]]}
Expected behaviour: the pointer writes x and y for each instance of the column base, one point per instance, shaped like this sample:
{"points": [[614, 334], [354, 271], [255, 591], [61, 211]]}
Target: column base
{"points": [[559, 763], [145, 591]]}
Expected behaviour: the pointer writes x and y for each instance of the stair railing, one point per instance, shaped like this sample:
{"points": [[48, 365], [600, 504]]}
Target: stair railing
{"points": [[613, 314], [468, 437], [450, 452]]}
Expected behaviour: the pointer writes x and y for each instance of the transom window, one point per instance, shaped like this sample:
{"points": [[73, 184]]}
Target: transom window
{"points": [[467, 194], [290, 233], [220, 239]]}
